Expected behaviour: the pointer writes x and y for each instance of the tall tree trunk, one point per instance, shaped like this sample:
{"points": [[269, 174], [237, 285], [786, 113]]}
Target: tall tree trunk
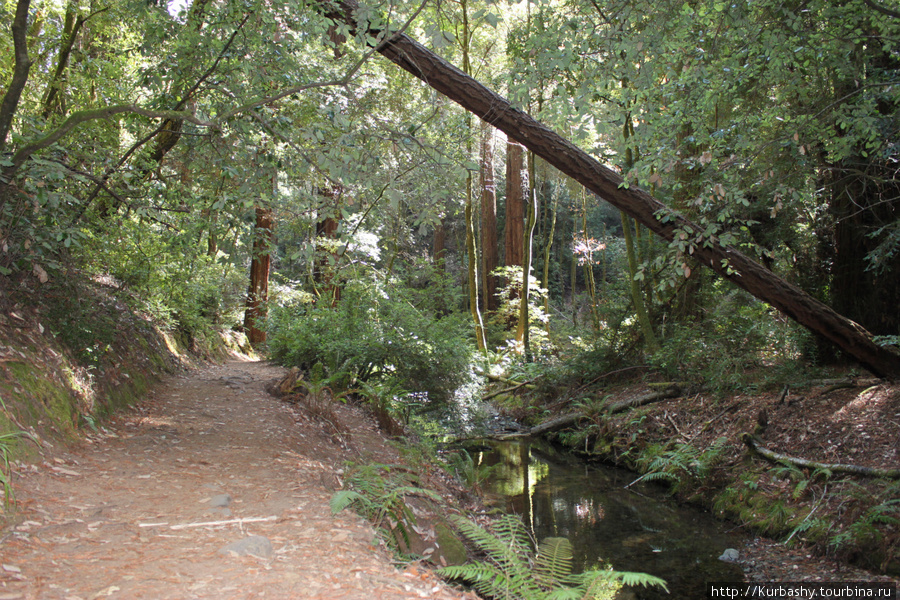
{"points": [[523, 331], [490, 259], [637, 298], [865, 206], [516, 190], [439, 245], [258, 292], [10, 103], [325, 277], [473, 280], [727, 261], [862, 203], [548, 245], [471, 248]]}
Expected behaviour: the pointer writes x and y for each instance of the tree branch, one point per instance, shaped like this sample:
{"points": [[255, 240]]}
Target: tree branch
{"points": [[20, 72], [885, 11], [83, 116], [53, 88]]}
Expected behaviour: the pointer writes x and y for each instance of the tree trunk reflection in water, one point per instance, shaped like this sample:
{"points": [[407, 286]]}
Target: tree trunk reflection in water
{"points": [[558, 495]]}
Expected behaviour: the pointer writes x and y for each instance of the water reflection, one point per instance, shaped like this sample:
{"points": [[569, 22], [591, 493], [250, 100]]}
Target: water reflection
{"points": [[559, 496]]}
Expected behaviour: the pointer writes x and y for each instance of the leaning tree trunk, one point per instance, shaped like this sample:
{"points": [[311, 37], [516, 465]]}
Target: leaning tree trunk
{"points": [[727, 261], [258, 293]]}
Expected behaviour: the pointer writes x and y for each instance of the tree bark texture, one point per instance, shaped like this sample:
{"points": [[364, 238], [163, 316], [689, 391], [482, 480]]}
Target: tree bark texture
{"points": [[728, 262], [490, 258], [516, 188], [258, 292]]}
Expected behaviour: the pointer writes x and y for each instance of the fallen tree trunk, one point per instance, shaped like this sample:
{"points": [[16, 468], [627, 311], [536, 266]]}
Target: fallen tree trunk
{"points": [[755, 444], [573, 418], [673, 391], [727, 261]]}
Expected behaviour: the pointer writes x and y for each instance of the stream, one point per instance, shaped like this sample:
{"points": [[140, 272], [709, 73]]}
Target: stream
{"points": [[634, 529]]}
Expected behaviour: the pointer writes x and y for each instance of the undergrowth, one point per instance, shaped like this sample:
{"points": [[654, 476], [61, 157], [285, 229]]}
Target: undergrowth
{"points": [[379, 493], [510, 568]]}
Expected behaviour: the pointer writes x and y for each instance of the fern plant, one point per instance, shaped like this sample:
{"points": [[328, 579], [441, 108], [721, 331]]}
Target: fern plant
{"points": [[6, 440], [471, 473], [379, 493], [680, 462], [511, 570]]}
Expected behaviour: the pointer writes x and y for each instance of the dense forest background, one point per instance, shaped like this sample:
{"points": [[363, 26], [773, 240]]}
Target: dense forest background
{"points": [[257, 165]]}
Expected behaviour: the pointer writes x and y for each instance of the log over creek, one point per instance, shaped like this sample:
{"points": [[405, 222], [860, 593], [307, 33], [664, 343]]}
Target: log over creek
{"points": [[705, 247], [632, 529]]}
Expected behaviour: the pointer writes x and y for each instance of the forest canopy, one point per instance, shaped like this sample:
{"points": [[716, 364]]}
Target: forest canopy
{"points": [[253, 164]]}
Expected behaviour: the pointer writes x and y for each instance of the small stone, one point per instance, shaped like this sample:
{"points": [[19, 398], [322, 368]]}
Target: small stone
{"points": [[221, 500], [255, 545], [730, 555]]}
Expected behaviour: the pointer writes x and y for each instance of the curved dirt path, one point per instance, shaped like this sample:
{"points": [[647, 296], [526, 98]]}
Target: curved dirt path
{"points": [[130, 513]]}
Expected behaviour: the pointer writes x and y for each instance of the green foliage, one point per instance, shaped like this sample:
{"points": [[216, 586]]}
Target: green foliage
{"points": [[5, 469], [469, 472], [379, 493], [733, 348], [372, 335], [877, 519], [511, 570], [318, 397], [680, 464]]}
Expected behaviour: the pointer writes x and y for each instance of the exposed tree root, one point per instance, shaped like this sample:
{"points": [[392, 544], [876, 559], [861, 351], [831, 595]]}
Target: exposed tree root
{"points": [[755, 444]]}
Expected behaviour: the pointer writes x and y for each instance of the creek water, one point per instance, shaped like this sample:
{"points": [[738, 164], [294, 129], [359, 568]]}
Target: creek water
{"points": [[634, 529]]}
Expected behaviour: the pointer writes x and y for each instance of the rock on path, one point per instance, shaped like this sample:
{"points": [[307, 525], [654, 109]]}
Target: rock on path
{"points": [[209, 488]]}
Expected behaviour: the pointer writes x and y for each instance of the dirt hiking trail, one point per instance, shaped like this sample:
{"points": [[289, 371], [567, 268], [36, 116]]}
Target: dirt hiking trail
{"points": [[208, 488]]}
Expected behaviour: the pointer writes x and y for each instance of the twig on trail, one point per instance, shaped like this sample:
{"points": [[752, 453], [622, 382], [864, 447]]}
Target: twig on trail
{"points": [[210, 523], [678, 431]]}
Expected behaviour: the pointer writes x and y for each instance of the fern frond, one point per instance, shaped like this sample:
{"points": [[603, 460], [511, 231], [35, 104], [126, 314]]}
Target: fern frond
{"points": [[631, 578], [553, 563], [660, 475], [344, 498]]}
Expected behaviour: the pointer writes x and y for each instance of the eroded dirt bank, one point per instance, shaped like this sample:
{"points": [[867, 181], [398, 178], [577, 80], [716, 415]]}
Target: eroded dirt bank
{"points": [[165, 501]]}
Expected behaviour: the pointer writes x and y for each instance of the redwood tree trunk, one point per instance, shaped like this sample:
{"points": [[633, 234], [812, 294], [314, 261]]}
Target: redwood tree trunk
{"points": [[258, 293], [324, 270], [490, 259], [516, 188], [728, 262]]}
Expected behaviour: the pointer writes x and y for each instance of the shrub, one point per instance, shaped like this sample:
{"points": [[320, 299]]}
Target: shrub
{"points": [[371, 335]]}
